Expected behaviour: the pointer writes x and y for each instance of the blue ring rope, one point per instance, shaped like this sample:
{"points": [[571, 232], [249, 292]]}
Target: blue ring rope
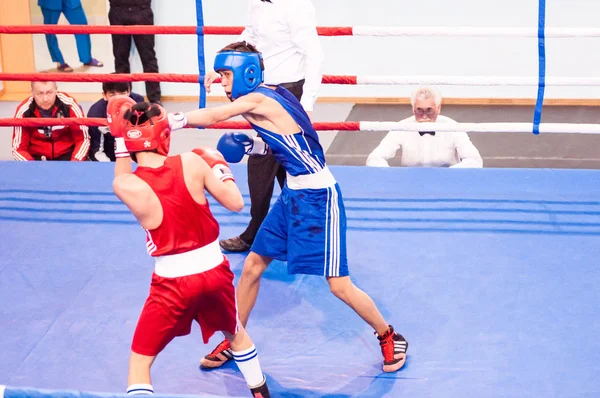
{"points": [[537, 115], [201, 65]]}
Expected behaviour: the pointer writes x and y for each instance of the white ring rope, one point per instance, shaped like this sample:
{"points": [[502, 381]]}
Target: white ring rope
{"points": [[476, 80], [474, 31], [572, 128]]}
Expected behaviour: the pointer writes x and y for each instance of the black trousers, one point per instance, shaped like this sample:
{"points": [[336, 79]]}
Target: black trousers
{"points": [[143, 43], [262, 172]]}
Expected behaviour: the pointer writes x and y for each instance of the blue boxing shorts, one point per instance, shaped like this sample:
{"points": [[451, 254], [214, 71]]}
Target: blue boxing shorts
{"points": [[306, 228]]}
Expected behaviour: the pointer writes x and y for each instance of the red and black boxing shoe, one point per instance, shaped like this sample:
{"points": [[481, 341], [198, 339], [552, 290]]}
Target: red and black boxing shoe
{"points": [[221, 354], [393, 347]]}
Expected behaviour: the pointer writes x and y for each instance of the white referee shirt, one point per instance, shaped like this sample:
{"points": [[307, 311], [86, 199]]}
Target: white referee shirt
{"points": [[444, 149], [285, 32]]}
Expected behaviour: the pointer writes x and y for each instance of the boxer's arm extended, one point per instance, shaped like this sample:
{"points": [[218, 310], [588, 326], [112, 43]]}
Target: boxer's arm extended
{"points": [[205, 117]]}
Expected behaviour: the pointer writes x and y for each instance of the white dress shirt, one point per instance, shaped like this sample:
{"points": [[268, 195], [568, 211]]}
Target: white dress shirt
{"points": [[444, 149], [285, 32]]}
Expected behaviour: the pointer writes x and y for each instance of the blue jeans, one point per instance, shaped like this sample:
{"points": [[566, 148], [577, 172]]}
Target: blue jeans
{"points": [[75, 16]]}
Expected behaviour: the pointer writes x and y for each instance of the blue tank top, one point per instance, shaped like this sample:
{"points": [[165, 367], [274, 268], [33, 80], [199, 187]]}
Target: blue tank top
{"points": [[299, 153]]}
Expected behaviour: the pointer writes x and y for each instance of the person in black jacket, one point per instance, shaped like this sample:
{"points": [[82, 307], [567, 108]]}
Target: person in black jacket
{"points": [[102, 145], [135, 12]]}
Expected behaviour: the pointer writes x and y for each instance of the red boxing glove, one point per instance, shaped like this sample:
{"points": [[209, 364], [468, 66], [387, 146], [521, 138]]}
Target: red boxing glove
{"points": [[117, 106], [216, 162]]}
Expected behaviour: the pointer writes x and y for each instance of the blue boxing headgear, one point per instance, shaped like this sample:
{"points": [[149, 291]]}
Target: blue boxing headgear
{"points": [[246, 68]]}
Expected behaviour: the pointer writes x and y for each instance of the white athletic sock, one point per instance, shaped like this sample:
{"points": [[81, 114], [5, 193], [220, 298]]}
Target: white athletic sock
{"points": [[247, 362], [140, 389]]}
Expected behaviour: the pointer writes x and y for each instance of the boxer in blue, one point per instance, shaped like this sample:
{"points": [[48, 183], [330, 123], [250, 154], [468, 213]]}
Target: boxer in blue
{"points": [[307, 225]]}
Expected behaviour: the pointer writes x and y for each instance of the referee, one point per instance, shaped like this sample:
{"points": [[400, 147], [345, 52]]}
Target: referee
{"points": [[285, 32]]}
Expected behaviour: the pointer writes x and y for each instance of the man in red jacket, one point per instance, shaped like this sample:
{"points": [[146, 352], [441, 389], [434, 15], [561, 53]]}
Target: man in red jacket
{"points": [[52, 142]]}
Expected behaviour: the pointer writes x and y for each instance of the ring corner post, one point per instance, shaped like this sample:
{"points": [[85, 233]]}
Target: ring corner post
{"points": [[539, 104], [201, 64]]}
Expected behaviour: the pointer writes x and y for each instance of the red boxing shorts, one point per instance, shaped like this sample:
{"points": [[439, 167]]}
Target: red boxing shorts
{"points": [[174, 303]]}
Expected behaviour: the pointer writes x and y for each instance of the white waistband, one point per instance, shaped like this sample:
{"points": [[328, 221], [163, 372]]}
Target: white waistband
{"points": [[189, 263], [320, 179]]}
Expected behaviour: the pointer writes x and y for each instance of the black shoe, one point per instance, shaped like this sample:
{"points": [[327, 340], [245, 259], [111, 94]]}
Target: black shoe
{"points": [[235, 245]]}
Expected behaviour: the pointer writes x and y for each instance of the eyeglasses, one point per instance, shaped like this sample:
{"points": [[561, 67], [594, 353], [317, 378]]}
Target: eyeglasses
{"points": [[421, 111]]}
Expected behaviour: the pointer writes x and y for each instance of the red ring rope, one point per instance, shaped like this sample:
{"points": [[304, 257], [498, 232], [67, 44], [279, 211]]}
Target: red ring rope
{"points": [[85, 121], [148, 29], [136, 77]]}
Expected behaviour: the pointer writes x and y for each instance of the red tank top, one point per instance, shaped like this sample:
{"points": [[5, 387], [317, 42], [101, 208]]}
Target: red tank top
{"points": [[186, 224]]}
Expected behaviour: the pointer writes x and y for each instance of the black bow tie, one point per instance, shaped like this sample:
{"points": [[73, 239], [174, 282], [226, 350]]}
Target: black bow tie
{"points": [[426, 132]]}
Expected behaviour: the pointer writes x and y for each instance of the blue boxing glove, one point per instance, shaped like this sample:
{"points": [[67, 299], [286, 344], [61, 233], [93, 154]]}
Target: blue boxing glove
{"points": [[234, 146]]}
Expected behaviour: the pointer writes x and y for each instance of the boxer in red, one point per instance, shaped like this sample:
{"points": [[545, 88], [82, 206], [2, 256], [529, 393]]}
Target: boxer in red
{"points": [[192, 279]]}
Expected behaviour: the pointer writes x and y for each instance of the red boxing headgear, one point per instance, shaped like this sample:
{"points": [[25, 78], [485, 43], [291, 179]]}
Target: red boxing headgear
{"points": [[146, 129]]}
